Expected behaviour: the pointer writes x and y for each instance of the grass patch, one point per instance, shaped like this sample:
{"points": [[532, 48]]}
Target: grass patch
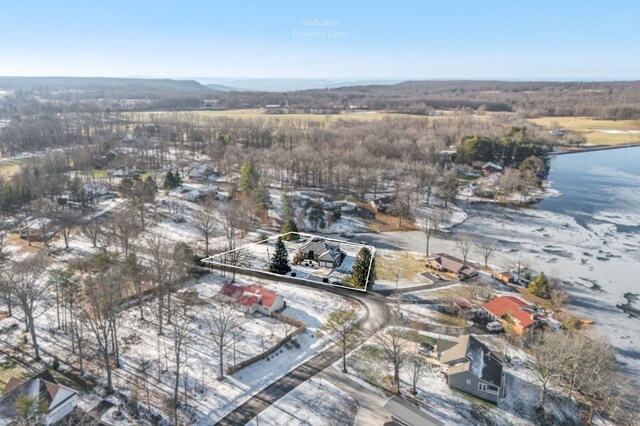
{"points": [[9, 168], [8, 369], [414, 336], [366, 363], [388, 263], [589, 127], [445, 319], [534, 300]]}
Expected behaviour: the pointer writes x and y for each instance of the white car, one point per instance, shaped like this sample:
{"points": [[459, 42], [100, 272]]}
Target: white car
{"points": [[494, 326]]}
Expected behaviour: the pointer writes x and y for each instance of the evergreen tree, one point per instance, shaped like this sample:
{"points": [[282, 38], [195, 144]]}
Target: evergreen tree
{"points": [[364, 269], [280, 260], [287, 210], [540, 286], [248, 177], [177, 179], [169, 180], [316, 216], [260, 197], [289, 226]]}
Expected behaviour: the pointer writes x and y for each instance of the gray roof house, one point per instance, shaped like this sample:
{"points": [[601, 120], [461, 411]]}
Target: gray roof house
{"points": [[326, 254], [472, 368]]}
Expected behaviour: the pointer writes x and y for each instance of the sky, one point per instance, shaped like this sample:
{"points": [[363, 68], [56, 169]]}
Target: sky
{"points": [[323, 39]]}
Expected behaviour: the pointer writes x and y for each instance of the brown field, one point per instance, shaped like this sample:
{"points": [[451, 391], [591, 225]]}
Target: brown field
{"points": [[316, 119], [408, 264], [591, 129], [9, 168]]}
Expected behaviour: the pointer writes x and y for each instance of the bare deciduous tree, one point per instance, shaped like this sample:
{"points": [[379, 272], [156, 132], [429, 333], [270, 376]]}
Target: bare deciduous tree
{"points": [[181, 329], [416, 365], [344, 325], [431, 224], [394, 345], [67, 220], [548, 353], [464, 244], [28, 287], [222, 320], [486, 250], [101, 314], [206, 225]]}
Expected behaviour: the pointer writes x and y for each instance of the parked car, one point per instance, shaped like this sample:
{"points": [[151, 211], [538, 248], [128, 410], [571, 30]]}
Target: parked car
{"points": [[494, 326]]}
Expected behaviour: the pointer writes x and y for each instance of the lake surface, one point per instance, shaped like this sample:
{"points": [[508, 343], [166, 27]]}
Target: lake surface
{"points": [[598, 187]]}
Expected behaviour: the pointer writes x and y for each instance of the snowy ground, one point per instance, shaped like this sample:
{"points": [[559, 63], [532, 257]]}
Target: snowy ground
{"points": [[368, 364], [554, 244], [260, 254], [209, 398], [315, 402]]}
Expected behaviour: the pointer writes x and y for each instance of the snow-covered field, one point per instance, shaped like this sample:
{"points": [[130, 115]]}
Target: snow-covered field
{"points": [[315, 402]]}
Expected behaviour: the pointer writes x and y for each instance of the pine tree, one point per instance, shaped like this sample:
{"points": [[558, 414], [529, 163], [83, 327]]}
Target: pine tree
{"points": [[540, 286], [287, 211], [260, 197], [316, 216], [280, 260], [364, 269], [289, 227], [248, 177], [171, 181]]}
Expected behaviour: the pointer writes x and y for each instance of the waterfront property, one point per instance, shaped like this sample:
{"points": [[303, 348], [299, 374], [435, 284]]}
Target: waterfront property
{"points": [[513, 312], [451, 266], [471, 367]]}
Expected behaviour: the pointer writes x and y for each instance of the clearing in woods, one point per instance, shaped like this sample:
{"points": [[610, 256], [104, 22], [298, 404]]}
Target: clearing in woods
{"points": [[596, 132]]}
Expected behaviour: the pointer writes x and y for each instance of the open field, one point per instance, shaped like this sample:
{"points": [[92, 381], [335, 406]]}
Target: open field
{"points": [[408, 265], [10, 167], [597, 132], [260, 114]]}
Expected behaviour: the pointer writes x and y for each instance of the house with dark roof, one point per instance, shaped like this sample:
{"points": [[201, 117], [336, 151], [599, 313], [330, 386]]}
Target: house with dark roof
{"points": [[513, 312], [251, 298], [471, 367], [451, 266], [327, 255], [59, 400]]}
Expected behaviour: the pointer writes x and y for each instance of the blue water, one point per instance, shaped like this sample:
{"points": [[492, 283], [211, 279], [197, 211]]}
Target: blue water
{"points": [[597, 187]]}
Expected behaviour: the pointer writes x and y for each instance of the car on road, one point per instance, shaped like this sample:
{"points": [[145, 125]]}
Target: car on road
{"points": [[494, 326]]}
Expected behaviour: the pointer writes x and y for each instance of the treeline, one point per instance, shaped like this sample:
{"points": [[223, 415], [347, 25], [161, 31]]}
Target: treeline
{"points": [[607, 100], [508, 151], [610, 100]]}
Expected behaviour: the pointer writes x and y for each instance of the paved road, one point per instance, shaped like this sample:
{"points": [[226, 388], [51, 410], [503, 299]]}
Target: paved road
{"points": [[377, 315], [370, 412]]}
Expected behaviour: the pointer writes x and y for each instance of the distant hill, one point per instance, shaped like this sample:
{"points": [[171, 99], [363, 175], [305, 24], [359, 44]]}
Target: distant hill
{"points": [[286, 84], [220, 87], [123, 86]]}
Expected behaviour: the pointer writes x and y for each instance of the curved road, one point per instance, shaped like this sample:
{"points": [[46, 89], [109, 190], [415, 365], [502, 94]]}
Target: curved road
{"points": [[377, 316]]}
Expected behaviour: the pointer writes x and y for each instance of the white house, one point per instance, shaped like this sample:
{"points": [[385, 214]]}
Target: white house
{"points": [[37, 228], [60, 400]]}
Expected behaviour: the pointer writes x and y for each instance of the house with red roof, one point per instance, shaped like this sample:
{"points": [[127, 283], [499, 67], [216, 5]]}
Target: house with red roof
{"points": [[251, 298], [513, 312]]}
